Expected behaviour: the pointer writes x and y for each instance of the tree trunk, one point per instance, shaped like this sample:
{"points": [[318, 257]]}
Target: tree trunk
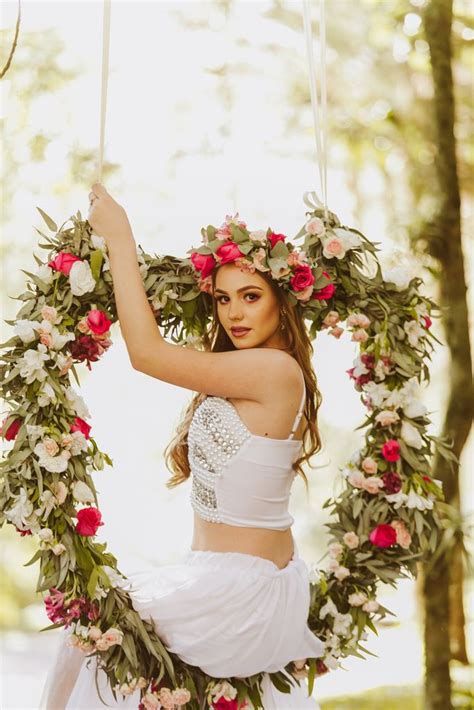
{"points": [[444, 243]]}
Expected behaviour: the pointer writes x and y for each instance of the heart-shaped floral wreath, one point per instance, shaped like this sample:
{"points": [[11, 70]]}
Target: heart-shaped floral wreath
{"points": [[388, 517]]}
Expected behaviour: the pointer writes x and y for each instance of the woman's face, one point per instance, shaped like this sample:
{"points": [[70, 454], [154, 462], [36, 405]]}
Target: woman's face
{"points": [[246, 300]]}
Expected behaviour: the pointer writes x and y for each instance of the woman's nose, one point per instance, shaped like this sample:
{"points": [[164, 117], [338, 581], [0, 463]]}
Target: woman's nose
{"points": [[235, 309]]}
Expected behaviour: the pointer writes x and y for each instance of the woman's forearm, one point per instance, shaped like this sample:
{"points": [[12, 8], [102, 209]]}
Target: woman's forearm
{"points": [[137, 322]]}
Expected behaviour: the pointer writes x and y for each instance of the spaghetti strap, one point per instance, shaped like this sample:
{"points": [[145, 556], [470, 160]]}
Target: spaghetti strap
{"points": [[300, 410]]}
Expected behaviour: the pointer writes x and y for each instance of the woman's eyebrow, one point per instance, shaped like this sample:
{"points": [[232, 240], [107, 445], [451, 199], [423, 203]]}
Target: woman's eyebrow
{"points": [[244, 288]]}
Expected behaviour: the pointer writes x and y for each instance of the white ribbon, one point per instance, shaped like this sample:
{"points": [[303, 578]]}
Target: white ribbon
{"points": [[320, 131], [105, 76]]}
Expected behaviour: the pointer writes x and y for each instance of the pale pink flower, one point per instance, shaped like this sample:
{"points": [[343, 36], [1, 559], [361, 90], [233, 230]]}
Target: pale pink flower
{"points": [[46, 339], [51, 447], [331, 319], [181, 696], [258, 259], [102, 644], [258, 235], [359, 320], [351, 539], [49, 313], [369, 465], [315, 226], [387, 417], [166, 698], [403, 535], [83, 326], [293, 258], [356, 478], [371, 606], [58, 549], [205, 285], [246, 265], [95, 633], [336, 332], [305, 293], [335, 549], [341, 573], [113, 636], [334, 247], [360, 336], [373, 484], [333, 565], [150, 701]]}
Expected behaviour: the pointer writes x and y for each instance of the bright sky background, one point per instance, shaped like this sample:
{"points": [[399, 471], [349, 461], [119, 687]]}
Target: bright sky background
{"points": [[163, 100]]}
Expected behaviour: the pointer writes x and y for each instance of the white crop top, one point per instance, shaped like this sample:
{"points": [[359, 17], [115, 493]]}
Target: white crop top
{"points": [[240, 478]]}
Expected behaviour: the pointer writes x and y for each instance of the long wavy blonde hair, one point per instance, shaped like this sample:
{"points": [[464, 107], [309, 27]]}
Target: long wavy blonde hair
{"points": [[298, 344]]}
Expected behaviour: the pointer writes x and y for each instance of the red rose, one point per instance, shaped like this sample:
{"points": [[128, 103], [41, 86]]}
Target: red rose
{"points": [[392, 482], [12, 430], [204, 263], [427, 320], [383, 536], [98, 321], [228, 252], [80, 425], [391, 450], [325, 293], [302, 278], [368, 359], [223, 704], [88, 521], [274, 238], [63, 262]]}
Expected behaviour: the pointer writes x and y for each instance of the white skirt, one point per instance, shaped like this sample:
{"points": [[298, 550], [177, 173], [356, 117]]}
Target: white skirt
{"points": [[231, 614]]}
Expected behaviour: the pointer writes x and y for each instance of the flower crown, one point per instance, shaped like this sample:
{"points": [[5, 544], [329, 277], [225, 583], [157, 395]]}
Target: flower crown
{"points": [[263, 251]]}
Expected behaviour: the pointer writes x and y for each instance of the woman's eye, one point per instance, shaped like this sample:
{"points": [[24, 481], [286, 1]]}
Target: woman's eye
{"points": [[255, 297]]}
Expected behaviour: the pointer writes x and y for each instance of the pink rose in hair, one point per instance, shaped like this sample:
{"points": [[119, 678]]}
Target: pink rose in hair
{"points": [[63, 262], [274, 238], [204, 263], [228, 252], [302, 278]]}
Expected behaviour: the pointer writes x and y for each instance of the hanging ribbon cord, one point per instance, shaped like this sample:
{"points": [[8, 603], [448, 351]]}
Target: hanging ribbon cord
{"points": [[320, 130], [105, 77]]}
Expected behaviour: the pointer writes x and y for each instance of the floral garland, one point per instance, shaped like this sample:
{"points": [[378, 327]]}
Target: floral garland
{"points": [[388, 517]]}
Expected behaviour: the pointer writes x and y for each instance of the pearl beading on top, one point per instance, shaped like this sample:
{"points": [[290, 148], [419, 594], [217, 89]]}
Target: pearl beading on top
{"points": [[215, 435]]}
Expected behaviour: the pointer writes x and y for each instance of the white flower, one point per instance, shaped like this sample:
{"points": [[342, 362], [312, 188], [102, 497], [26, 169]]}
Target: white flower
{"points": [[78, 404], [31, 364], [58, 549], [60, 339], [54, 464], [398, 499], [335, 549], [421, 310], [331, 662], [82, 492], [47, 501], [414, 408], [328, 608], [398, 275], [341, 573], [223, 689], [46, 395], [416, 501], [35, 431], [348, 238], [377, 392], [25, 329], [413, 331], [115, 578], [45, 273], [314, 575], [46, 534], [99, 243], [357, 598], [315, 226], [342, 623], [411, 435], [21, 510], [81, 279], [387, 417], [258, 235], [371, 606]]}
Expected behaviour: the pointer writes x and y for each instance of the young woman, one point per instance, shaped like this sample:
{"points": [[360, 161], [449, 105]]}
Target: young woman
{"points": [[238, 603]]}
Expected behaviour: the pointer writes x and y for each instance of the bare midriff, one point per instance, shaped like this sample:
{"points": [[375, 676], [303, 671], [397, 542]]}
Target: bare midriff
{"points": [[274, 545]]}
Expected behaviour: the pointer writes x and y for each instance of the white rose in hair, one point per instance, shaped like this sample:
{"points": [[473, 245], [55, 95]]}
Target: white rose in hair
{"points": [[81, 279]]}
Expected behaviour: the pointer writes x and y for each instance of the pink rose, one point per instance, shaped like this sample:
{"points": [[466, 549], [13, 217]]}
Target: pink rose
{"points": [[373, 484], [46, 339], [80, 425], [383, 536], [356, 479], [302, 278], [334, 247], [258, 259], [98, 321], [369, 465], [336, 332], [228, 252], [351, 539], [203, 263], [12, 430], [274, 238], [325, 293], [205, 285], [181, 696], [391, 450], [88, 521], [49, 313], [63, 262], [315, 226], [360, 336], [50, 446], [403, 536], [305, 294], [331, 319]]}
